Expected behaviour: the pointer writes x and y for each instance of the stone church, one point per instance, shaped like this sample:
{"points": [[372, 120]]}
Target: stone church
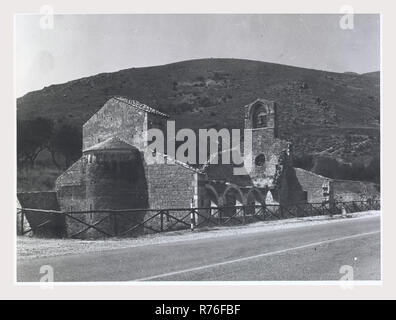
{"points": [[112, 172]]}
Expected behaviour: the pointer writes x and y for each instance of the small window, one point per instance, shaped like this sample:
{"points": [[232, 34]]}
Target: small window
{"points": [[260, 160]]}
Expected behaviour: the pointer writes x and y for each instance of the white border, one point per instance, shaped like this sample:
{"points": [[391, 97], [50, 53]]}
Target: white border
{"points": [[168, 290]]}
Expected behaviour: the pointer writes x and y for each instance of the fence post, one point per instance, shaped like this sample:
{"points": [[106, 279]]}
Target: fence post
{"points": [[115, 224], [162, 220], [244, 214], [343, 209], [22, 221], [192, 220]]}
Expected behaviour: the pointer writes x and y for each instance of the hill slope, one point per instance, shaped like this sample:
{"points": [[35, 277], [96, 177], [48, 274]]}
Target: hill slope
{"points": [[335, 114]]}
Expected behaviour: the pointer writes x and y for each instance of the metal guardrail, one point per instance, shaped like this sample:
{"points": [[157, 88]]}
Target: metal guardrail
{"points": [[132, 222]]}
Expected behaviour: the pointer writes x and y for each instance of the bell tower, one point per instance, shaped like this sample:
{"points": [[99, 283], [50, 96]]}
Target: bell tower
{"points": [[261, 119]]}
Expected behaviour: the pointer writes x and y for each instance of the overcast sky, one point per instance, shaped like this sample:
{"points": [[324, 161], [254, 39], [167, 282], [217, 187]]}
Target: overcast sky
{"points": [[84, 45]]}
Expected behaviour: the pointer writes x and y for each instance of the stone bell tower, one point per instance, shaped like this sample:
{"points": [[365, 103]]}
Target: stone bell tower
{"points": [[267, 149]]}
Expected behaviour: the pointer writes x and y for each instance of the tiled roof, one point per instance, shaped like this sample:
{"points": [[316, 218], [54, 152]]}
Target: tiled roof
{"points": [[141, 106]]}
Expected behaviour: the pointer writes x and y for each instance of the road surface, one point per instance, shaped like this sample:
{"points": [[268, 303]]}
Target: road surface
{"points": [[312, 252]]}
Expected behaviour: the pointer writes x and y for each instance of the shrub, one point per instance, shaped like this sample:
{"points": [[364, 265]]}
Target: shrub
{"points": [[357, 171], [304, 161]]}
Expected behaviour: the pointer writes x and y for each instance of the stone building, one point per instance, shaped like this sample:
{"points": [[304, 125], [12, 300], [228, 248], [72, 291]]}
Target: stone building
{"points": [[113, 174]]}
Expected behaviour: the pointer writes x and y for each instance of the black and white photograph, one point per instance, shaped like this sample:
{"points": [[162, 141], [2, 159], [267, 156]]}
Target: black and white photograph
{"points": [[198, 148]]}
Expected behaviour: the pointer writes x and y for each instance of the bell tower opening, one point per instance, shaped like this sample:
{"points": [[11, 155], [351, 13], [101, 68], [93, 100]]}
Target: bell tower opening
{"points": [[260, 117], [261, 120], [261, 114]]}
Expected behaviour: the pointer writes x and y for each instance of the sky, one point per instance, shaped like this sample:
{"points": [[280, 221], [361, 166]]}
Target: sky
{"points": [[83, 45]]}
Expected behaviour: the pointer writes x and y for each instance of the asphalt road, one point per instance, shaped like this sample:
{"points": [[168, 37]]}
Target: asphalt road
{"points": [[315, 252]]}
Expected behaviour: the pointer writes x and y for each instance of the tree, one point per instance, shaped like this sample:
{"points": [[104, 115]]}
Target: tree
{"points": [[304, 161], [374, 169], [67, 142], [356, 171], [33, 136], [326, 166]]}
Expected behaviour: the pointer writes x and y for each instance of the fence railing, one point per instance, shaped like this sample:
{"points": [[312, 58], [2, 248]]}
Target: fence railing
{"points": [[134, 222]]}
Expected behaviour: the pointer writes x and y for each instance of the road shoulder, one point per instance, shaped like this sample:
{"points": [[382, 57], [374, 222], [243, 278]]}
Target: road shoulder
{"points": [[32, 248]]}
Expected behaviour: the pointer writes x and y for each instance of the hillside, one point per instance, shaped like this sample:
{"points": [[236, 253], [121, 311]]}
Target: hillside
{"points": [[333, 114]]}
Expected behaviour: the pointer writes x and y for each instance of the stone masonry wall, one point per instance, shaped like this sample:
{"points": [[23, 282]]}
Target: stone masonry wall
{"points": [[71, 186], [170, 186], [312, 184], [119, 119], [45, 201], [271, 148], [346, 190]]}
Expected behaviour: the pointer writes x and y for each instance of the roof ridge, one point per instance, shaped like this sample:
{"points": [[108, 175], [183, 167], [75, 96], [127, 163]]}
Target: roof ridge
{"points": [[76, 163], [178, 162], [102, 144], [141, 106], [313, 173]]}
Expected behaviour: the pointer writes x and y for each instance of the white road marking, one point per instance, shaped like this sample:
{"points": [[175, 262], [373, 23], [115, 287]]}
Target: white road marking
{"points": [[255, 256]]}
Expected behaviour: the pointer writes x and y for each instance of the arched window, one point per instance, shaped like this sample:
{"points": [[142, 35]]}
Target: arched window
{"points": [[260, 160], [233, 198]]}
